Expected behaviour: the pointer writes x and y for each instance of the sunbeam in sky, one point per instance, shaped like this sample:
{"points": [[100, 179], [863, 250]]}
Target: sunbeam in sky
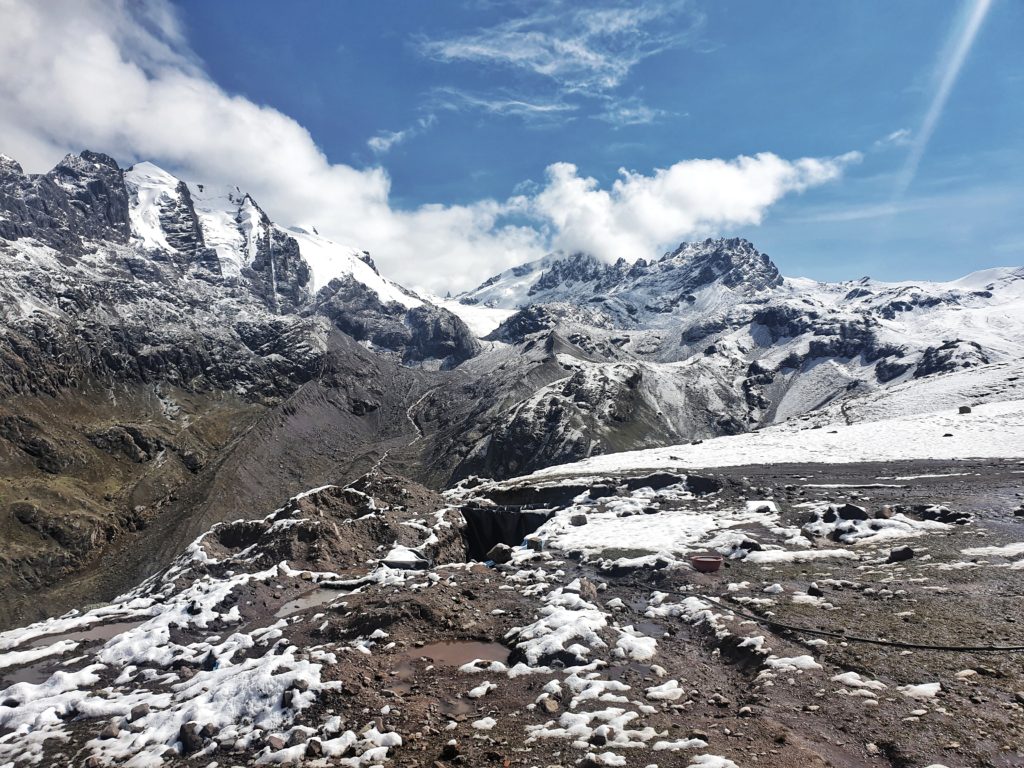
{"points": [[965, 32]]}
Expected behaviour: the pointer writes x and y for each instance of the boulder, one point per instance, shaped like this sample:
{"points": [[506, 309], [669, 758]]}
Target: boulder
{"points": [[500, 553], [900, 554], [578, 519], [851, 512], [190, 739]]}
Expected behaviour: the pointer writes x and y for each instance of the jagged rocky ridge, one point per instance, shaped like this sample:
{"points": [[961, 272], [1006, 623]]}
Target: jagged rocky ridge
{"points": [[708, 340], [170, 358], [120, 274]]}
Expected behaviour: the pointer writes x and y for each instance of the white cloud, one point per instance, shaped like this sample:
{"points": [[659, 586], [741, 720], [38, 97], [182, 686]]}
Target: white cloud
{"points": [[898, 138], [626, 112], [587, 50], [384, 141], [694, 198], [103, 76], [532, 110], [117, 77]]}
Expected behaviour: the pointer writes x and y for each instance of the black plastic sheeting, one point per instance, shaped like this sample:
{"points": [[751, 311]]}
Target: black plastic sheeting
{"points": [[486, 527]]}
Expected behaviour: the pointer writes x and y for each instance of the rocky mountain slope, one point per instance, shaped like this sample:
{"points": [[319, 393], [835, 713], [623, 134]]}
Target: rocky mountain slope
{"points": [[171, 358], [709, 340]]}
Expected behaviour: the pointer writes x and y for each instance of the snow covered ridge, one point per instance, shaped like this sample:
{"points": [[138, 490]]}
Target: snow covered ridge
{"points": [[231, 223], [994, 430], [710, 340], [143, 247], [190, 665]]}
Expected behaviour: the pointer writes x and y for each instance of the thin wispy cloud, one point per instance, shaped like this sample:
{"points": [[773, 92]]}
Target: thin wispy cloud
{"points": [[627, 112], [383, 142], [457, 99], [965, 32], [898, 138], [582, 50]]}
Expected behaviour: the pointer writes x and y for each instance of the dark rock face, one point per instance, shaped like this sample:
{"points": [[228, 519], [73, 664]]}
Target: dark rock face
{"points": [[26, 436], [180, 225], [82, 198], [280, 274], [527, 321], [438, 334], [578, 268], [950, 356], [416, 334], [582, 415]]}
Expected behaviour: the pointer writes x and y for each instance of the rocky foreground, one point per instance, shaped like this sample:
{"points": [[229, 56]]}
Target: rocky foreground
{"points": [[353, 627]]}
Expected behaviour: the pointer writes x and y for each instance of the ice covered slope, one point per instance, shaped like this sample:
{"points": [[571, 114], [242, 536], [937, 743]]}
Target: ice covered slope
{"points": [[170, 214], [995, 430]]}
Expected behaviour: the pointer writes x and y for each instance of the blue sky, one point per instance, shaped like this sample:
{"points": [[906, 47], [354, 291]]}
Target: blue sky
{"points": [[457, 139], [711, 79]]}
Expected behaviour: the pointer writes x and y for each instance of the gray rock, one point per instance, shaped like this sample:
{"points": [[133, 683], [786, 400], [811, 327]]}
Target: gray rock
{"points": [[275, 742], [500, 553], [578, 519], [110, 731], [900, 554], [851, 512], [188, 735]]}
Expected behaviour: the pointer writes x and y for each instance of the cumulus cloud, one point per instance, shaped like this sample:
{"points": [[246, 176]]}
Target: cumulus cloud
{"points": [[118, 77], [692, 198]]}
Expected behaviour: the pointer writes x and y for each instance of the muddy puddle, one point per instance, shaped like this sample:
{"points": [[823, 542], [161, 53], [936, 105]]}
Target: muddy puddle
{"points": [[40, 671], [93, 634], [455, 654], [447, 654], [650, 629], [310, 599], [33, 673]]}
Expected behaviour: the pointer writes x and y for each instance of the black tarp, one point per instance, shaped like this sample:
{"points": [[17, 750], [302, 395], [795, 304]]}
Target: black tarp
{"points": [[486, 527]]}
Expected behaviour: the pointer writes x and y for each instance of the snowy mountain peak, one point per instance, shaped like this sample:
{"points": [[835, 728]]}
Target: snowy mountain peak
{"points": [[733, 264]]}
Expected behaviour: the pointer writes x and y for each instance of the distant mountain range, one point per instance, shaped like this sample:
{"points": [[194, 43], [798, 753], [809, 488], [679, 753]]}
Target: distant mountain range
{"points": [[170, 358]]}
